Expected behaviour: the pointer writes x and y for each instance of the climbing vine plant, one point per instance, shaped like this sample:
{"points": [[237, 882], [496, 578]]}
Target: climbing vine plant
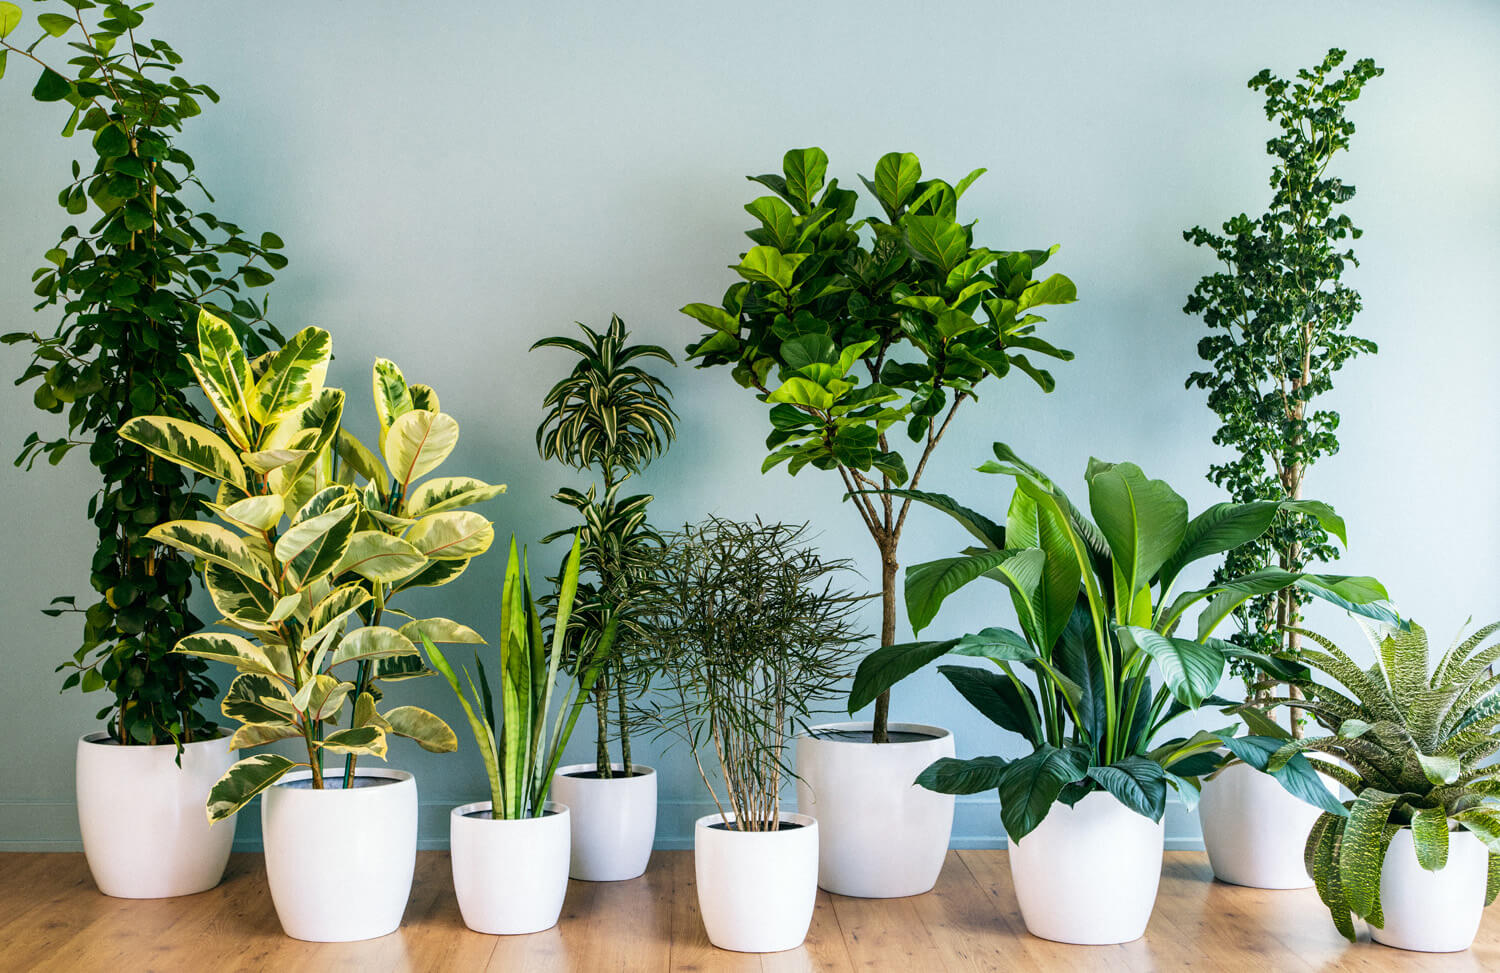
{"points": [[129, 277], [1278, 316]]}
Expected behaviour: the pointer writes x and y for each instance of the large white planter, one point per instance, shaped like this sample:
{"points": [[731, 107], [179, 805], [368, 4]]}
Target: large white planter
{"points": [[882, 835], [511, 876], [1254, 830], [145, 826], [756, 889], [339, 862], [1088, 874], [1432, 912], [614, 820]]}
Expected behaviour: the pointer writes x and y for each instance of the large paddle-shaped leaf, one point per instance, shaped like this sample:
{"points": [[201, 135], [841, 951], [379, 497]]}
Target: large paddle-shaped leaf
{"points": [[1030, 524], [1225, 526], [1192, 669], [929, 584], [985, 530], [1139, 783], [1030, 787], [1298, 776], [998, 698], [1143, 520], [949, 775]]}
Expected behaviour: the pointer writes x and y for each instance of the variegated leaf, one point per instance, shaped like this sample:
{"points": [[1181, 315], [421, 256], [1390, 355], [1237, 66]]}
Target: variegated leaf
{"points": [[449, 493], [372, 642], [266, 460], [430, 732], [436, 573], [337, 606], [214, 544], [392, 396], [1362, 848], [258, 734], [239, 652], [258, 513], [242, 601], [365, 714], [245, 780], [294, 375], [311, 548], [417, 443], [256, 698], [456, 535], [224, 372], [380, 557], [442, 630], [186, 444], [424, 397], [1429, 832], [360, 739]]}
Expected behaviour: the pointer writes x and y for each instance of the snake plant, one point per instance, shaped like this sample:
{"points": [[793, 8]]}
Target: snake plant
{"points": [[302, 547], [1415, 739]]}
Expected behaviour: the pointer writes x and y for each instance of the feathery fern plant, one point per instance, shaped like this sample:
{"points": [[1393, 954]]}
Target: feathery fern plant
{"points": [[1416, 740]]}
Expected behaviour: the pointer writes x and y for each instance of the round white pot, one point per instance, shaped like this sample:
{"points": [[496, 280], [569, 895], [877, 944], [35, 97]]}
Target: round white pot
{"points": [[614, 820], [882, 835], [339, 862], [146, 833], [511, 876], [756, 889], [1432, 912], [1254, 830], [1088, 874]]}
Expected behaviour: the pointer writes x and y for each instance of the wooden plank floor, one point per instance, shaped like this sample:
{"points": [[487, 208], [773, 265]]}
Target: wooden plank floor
{"points": [[51, 918]]}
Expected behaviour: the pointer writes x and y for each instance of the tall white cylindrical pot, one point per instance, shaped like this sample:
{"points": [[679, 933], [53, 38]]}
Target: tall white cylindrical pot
{"points": [[1088, 873], [614, 820], [146, 833], [511, 876], [339, 862], [756, 889], [1432, 912], [881, 836], [1254, 830]]}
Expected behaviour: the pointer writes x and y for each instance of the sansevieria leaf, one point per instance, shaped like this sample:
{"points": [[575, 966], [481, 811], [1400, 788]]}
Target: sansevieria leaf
{"points": [[245, 780], [186, 444]]}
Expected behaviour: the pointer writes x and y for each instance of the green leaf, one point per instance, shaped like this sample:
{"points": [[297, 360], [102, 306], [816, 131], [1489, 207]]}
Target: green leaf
{"points": [[1220, 528], [1299, 777], [1429, 832], [948, 775], [929, 584], [362, 740], [805, 169], [1440, 769], [888, 665], [1192, 669], [802, 391], [51, 86], [1030, 787], [997, 699], [245, 780], [896, 176], [431, 733], [715, 317], [1362, 851], [1483, 821], [417, 443], [770, 266], [936, 240], [56, 24], [1030, 524], [10, 18], [1139, 783], [1143, 520], [989, 533], [186, 444]]}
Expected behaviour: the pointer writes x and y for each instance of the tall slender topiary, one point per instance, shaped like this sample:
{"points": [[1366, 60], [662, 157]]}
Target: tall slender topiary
{"points": [[1278, 318], [129, 283]]}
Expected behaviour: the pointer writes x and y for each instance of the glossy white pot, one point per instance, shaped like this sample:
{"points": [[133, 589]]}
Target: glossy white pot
{"points": [[756, 889], [339, 862], [882, 835], [146, 833], [614, 820], [510, 876], [1088, 874], [1432, 912], [1254, 830]]}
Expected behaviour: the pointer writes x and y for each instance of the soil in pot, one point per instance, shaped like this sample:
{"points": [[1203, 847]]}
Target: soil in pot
{"points": [[487, 815], [868, 736], [785, 826], [595, 775], [337, 783]]}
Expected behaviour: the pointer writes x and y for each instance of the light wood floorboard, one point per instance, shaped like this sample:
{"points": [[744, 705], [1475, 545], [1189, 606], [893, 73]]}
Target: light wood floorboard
{"points": [[52, 918]]}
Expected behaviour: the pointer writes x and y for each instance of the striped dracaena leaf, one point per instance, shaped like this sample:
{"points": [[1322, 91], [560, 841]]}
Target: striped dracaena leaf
{"points": [[1362, 849], [245, 780], [1429, 832], [188, 445], [1369, 690]]}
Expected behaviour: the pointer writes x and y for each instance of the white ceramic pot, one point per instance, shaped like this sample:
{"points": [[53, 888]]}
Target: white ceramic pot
{"points": [[614, 820], [882, 835], [1432, 912], [1254, 830], [1088, 874], [511, 876], [339, 862], [756, 889], [146, 833]]}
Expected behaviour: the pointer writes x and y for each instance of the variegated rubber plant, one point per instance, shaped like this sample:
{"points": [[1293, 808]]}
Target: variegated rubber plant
{"points": [[303, 547], [1416, 742]]}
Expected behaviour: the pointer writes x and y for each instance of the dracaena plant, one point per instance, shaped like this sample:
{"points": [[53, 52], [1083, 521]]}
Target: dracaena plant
{"points": [[861, 333], [1098, 611], [520, 754], [1415, 740], [300, 549], [612, 416]]}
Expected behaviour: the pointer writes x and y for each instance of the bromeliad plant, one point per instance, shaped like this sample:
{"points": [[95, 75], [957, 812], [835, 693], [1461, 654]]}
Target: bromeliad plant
{"points": [[301, 547], [846, 328], [611, 415], [1416, 742], [751, 634], [1098, 608], [519, 754]]}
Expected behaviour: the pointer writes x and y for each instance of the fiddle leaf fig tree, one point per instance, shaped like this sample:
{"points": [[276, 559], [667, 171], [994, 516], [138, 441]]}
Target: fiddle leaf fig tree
{"points": [[1278, 318], [865, 336], [302, 547], [128, 278]]}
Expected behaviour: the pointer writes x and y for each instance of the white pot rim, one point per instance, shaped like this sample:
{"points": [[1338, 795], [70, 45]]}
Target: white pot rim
{"points": [[463, 811], [101, 738], [390, 774], [807, 822], [641, 770], [929, 732]]}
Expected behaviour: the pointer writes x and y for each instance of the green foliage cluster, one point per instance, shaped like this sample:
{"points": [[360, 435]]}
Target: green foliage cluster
{"points": [[1415, 742], [612, 416], [851, 327], [1278, 318], [129, 283]]}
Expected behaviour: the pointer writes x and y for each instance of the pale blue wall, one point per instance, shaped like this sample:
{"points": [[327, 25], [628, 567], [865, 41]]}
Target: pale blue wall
{"points": [[454, 185]]}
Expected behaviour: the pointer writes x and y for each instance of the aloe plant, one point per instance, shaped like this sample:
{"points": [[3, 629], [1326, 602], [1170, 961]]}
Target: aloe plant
{"points": [[519, 754], [302, 547], [1415, 739]]}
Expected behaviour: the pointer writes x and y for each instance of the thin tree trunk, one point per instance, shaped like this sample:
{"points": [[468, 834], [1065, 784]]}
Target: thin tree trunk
{"points": [[624, 723], [879, 732], [601, 710]]}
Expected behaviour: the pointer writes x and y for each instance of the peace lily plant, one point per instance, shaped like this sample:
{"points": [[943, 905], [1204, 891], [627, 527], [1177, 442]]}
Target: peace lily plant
{"points": [[315, 529]]}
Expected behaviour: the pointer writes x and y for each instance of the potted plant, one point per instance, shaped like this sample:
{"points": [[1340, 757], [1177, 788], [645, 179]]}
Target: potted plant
{"points": [[751, 633], [1416, 852], [128, 286], [510, 854], [609, 414], [1278, 316], [301, 548], [857, 334], [1083, 809]]}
